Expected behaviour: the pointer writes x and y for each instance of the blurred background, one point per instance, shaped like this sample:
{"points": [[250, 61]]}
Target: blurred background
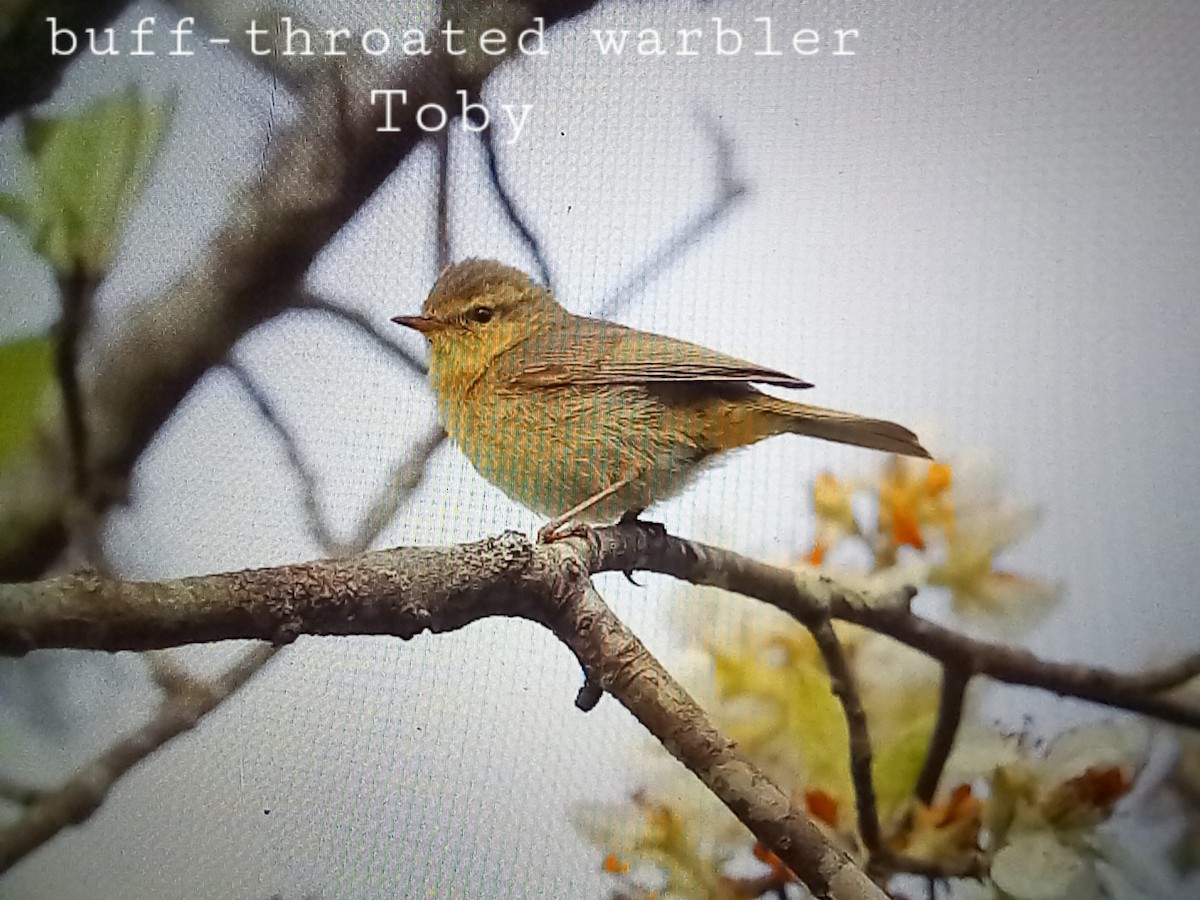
{"points": [[982, 224]]}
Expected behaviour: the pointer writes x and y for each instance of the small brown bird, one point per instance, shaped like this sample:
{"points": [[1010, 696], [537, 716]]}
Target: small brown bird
{"points": [[586, 420]]}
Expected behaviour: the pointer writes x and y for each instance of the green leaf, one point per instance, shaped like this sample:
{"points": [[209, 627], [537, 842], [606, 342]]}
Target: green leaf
{"points": [[87, 169], [26, 372], [898, 761]]}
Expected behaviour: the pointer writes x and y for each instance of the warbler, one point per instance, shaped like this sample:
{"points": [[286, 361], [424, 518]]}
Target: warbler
{"points": [[585, 420]]}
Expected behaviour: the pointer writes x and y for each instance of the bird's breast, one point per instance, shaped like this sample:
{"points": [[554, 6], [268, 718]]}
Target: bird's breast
{"points": [[551, 449]]}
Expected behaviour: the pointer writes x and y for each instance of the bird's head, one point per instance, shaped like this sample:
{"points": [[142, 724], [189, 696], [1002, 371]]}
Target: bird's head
{"points": [[478, 309]]}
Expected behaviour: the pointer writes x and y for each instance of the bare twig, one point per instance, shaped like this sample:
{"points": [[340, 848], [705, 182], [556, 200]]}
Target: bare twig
{"points": [[76, 292], [314, 517], [364, 324], [618, 662], [402, 483], [729, 189], [76, 799], [488, 138], [950, 710], [627, 547], [442, 207], [16, 792], [91, 612], [405, 591], [844, 688], [1168, 677]]}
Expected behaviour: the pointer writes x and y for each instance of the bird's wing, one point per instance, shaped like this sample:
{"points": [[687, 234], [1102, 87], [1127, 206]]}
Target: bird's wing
{"points": [[594, 352]]}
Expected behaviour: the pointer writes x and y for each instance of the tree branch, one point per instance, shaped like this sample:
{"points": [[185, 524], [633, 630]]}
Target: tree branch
{"points": [[313, 515], [77, 291], [950, 710], [730, 188], [804, 596], [845, 689], [616, 661], [405, 592], [17, 792], [442, 200], [364, 324], [92, 612], [74, 801], [406, 476], [488, 138]]}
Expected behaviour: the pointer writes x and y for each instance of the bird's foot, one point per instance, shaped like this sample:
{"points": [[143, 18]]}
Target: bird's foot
{"points": [[560, 529], [633, 517]]}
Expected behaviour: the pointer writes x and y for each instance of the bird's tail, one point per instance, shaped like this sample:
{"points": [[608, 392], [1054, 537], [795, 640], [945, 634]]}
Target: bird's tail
{"points": [[844, 428]]}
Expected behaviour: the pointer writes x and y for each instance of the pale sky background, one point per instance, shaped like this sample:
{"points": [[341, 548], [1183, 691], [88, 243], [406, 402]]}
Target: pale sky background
{"points": [[982, 225]]}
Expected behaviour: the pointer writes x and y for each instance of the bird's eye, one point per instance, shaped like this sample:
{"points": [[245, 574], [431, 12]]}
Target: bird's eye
{"points": [[482, 314]]}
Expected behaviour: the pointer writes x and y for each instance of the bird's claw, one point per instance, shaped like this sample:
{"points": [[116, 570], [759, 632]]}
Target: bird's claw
{"points": [[633, 517], [557, 530]]}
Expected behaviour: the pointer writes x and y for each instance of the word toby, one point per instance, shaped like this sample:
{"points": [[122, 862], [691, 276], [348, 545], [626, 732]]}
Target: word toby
{"points": [[433, 117]]}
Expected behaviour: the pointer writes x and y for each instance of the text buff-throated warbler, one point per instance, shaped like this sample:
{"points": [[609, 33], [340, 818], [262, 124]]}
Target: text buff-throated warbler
{"points": [[585, 420]]}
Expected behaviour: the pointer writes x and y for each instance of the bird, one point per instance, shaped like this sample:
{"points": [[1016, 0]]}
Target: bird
{"points": [[587, 421]]}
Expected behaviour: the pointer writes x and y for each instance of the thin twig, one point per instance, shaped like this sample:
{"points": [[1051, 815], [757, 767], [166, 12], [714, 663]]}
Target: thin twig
{"points": [[488, 138], [76, 799], [364, 324], [623, 667], [76, 292], [402, 483], [314, 517], [729, 189], [844, 688], [16, 792], [630, 546], [1168, 677], [69, 612], [442, 213], [950, 710], [170, 676]]}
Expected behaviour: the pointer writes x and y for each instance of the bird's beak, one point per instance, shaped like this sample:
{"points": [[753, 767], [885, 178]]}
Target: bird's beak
{"points": [[427, 325]]}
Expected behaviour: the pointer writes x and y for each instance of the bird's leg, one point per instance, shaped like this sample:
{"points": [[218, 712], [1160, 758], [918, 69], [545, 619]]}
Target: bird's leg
{"points": [[562, 527]]}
